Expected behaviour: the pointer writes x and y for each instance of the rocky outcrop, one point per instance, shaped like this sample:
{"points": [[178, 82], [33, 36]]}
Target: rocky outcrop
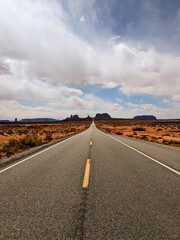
{"points": [[72, 117], [102, 116], [145, 117]]}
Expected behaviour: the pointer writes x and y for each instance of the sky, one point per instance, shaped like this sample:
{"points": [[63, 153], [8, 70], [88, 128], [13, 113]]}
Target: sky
{"points": [[63, 57]]}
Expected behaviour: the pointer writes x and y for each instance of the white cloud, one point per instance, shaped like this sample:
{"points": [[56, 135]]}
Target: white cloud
{"points": [[42, 57], [165, 100], [119, 100], [151, 109], [82, 19], [83, 106], [4, 68], [176, 97], [37, 42], [34, 90], [88, 105]]}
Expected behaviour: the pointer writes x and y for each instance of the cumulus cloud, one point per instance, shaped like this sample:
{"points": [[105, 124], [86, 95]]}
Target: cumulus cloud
{"points": [[42, 57], [89, 104], [10, 109], [142, 72], [34, 90], [150, 109], [4, 68], [36, 32]]}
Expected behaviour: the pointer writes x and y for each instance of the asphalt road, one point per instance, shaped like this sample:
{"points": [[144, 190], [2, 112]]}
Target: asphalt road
{"points": [[130, 194]]}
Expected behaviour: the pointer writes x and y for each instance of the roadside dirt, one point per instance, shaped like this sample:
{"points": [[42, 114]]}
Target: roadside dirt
{"points": [[163, 132], [15, 138]]}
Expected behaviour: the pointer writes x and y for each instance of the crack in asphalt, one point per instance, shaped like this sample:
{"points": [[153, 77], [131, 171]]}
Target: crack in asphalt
{"points": [[82, 215], [82, 210]]}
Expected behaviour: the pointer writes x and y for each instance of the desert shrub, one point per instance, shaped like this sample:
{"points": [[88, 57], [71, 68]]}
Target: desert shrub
{"points": [[171, 142], [153, 137], [166, 142], [31, 127], [2, 133], [30, 141], [25, 131], [72, 130], [11, 147], [20, 132], [119, 133], [48, 137], [15, 145], [10, 131], [134, 133], [138, 129], [54, 132], [130, 135], [144, 137], [159, 129], [108, 130]]}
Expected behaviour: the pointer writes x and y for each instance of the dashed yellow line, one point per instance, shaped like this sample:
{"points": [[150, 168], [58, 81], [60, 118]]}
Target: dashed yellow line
{"points": [[90, 143], [86, 174]]}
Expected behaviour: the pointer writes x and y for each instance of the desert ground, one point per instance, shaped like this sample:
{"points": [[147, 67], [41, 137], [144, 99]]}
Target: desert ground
{"points": [[18, 137], [160, 131]]}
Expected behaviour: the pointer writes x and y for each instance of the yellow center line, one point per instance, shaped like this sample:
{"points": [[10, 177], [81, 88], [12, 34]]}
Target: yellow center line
{"points": [[90, 143], [86, 174]]}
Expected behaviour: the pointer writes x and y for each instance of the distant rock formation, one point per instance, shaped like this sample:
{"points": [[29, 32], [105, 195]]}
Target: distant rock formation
{"points": [[4, 121], [72, 117], [39, 120], [145, 117], [102, 116]]}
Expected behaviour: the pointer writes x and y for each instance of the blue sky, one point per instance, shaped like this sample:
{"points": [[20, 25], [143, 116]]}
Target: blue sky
{"points": [[82, 57]]}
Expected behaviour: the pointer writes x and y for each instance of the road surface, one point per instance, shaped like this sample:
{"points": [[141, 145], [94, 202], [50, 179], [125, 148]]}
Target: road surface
{"points": [[92, 186]]}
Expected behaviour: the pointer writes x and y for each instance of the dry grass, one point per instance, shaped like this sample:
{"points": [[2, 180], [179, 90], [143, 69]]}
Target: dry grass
{"points": [[15, 138], [164, 132]]}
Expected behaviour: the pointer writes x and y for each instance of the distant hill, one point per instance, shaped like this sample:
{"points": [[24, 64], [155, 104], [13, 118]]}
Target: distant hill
{"points": [[4, 121], [102, 116], [39, 120], [145, 117]]}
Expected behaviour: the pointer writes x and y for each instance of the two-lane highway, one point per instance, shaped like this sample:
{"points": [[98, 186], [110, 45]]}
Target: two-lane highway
{"points": [[92, 186]]}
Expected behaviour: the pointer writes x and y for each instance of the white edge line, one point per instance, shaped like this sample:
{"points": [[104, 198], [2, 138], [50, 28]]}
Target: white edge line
{"points": [[173, 170], [3, 170]]}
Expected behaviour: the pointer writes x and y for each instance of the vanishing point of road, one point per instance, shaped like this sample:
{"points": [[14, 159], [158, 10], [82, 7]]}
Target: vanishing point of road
{"points": [[92, 186]]}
